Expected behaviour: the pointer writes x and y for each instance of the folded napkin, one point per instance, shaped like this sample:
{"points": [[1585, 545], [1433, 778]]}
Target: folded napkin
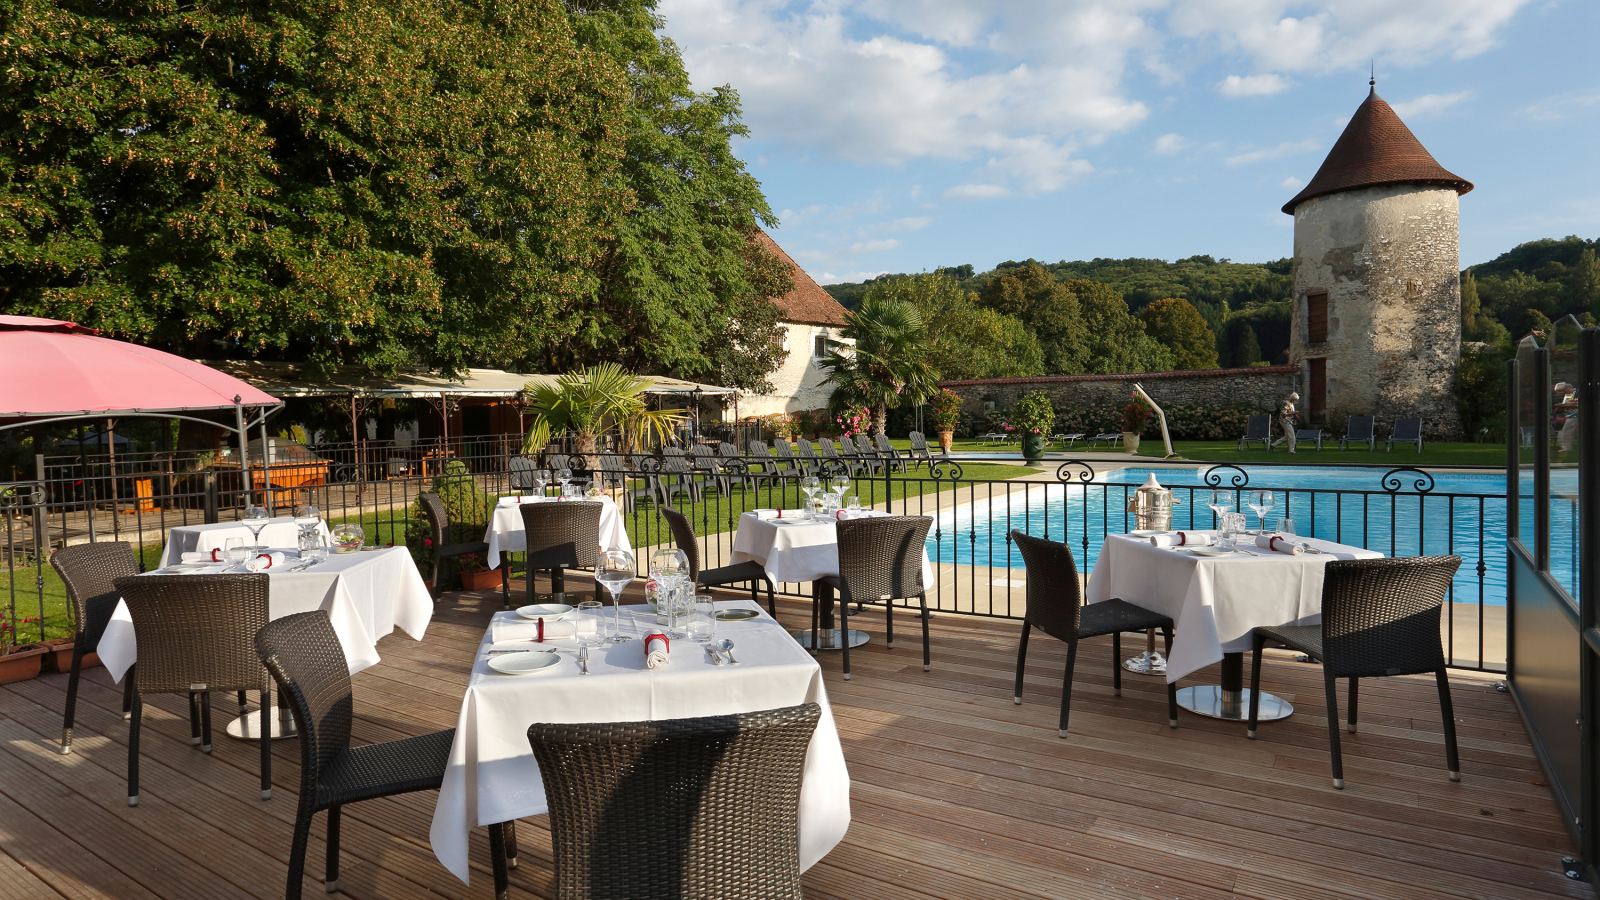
{"points": [[655, 650], [213, 555], [264, 561], [519, 629], [767, 513], [1182, 539], [1280, 545]]}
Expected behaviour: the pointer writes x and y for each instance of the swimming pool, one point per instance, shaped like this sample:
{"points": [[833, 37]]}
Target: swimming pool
{"points": [[1462, 513]]}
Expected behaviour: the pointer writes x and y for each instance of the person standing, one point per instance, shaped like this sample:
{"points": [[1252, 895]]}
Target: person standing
{"points": [[1289, 418]]}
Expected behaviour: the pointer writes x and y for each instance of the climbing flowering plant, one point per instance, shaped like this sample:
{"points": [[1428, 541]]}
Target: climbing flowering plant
{"points": [[946, 408], [853, 421], [1034, 414]]}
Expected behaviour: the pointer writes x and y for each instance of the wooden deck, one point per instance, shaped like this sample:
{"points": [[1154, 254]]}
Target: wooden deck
{"points": [[957, 793]]}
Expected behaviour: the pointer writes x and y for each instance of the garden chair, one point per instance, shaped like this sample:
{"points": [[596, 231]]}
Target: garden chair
{"points": [[706, 807], [439, 525], [808, 456], [871, 461], [1380, 617], [1112, 439], [1304, 436], [1406, 431], [887, 452], [880, 561], [704, 460], [674, 477], [1056, 607], [684, 537], [560, 536], [522, 470], [1257, 428], [89, 572], [830, 453], [789, 465], [761, 461], [555, 462], [1360, 431], [614, 476], [194, 636], [993, 437], [919, 450], [1070, 439], [303, 654]]}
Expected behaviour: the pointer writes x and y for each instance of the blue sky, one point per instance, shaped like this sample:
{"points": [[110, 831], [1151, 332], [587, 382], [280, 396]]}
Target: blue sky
{"points": [[902, 135]]}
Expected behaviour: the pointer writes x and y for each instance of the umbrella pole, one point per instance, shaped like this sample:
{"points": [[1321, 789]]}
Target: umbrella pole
{"points": [[244, 447], [266, 470]]}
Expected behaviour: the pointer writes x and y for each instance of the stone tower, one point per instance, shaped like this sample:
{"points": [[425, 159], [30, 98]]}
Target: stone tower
{"points": [[1377, 293]]}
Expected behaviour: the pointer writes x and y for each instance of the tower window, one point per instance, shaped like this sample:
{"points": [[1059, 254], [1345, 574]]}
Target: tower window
{"points": [[1317, 317], [819, 345]]}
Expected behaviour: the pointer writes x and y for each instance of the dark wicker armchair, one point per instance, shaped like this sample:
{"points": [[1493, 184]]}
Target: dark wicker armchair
{"points": [[880, 561], [706, 808], [443, 549], [683, 535], [1379, 617], [561, 535], [303, 654], [195, 636], [90, 572], [1056, 607]]}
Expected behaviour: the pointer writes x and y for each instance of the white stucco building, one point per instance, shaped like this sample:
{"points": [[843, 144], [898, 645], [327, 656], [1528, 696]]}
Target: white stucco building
{"points": [[810, 317]]}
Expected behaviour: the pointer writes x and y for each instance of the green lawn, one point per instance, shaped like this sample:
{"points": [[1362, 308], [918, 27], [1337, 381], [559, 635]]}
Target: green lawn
{"points": [[1434, 454]]}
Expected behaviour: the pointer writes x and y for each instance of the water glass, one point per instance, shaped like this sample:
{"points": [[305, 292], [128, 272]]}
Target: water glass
{"points": [[593, 627], [855, 507], [1230, 526], [680, 605], [1286, 527], [703, 622], [236, 550], [310, 543]]}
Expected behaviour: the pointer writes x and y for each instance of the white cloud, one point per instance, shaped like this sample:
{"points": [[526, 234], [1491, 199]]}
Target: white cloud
{"points": [[864, 247], [1169, 144], [1288, 148], [1428, 104], [845, 277], [910, 223], [1264, 85], [1290, 182], [1561, 106]]}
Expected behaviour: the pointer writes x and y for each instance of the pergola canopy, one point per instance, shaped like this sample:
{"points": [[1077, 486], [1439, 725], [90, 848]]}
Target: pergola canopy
{"points": [[291, 380]]}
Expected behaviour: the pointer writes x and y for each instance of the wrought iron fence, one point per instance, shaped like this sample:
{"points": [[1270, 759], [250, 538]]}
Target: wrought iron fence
{"points": [[978, 571]]}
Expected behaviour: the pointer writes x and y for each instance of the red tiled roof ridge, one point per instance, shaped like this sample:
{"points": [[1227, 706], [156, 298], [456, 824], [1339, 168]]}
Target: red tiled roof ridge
{"points": [[1376, 148], [807, 303], [1130, 376]]}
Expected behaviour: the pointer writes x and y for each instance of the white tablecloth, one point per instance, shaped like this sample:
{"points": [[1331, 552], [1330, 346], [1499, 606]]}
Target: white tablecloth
{"points": [[1215, 601], [505, 534], [280, 532], [493, 777], [803, 551], [366, 594]]}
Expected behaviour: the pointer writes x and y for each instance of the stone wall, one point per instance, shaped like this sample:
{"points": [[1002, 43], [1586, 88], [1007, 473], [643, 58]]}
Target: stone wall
{"points": [[1387, 257], [1260, 387]]}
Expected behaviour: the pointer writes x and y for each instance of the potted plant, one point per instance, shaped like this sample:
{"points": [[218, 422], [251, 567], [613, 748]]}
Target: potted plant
{"points": [[22, 661], [1033, 417], [587, 403], [476, 574], [1134, 415], [946, 414], [58, 656]]}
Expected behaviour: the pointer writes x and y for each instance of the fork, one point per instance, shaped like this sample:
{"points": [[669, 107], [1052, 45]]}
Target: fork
{"points": [[583, 658]]}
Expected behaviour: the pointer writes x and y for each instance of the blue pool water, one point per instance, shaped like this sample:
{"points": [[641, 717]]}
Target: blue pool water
{"points": [[1461, 513]]}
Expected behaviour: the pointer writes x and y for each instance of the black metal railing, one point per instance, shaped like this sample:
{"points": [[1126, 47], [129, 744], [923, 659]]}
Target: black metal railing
{"points": [[978, 571]]}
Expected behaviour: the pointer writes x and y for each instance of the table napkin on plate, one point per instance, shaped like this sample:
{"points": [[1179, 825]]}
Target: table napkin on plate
{"points": [[1280, 545], [501, 630], [766, 513], [656, 646], [264, 561], [1183, 539], [210, 556]]}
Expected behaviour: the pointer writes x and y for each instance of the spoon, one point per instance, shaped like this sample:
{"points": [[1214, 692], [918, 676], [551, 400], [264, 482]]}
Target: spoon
{"points": [[726, 646]]}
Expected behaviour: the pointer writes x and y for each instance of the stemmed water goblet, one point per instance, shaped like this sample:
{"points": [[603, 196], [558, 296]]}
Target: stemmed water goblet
{"points": [[541, 478], [564, 476], [256, 518], [810, 485], [615, 571], [1221, 503], [1261, 503], [840, 483]]}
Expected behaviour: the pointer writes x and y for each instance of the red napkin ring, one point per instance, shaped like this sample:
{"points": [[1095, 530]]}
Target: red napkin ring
{"points": [[839, 514], [1182, 539], [540, 638], [666, 645], [1272, 544], [267, 557], [214, 552]]}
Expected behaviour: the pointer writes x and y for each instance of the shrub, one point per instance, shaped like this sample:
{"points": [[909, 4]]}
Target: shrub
{"points": [[469, 507], [1186, 422], [1135, 415], [1034, 414], [946, 409]]}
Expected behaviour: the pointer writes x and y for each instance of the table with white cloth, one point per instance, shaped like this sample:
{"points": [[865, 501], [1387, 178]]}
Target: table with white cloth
{"points": [[506, 534], [280, 532], [1215, 602], [493, 777], [796, 551], [366, 594]]}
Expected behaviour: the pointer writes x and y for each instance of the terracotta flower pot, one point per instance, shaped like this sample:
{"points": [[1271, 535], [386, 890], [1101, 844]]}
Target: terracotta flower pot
{"points": [[481, 580], [22, 663], [946, 435], [59, 656]]}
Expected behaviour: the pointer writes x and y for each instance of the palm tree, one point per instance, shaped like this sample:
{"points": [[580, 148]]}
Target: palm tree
{"points": [[587, 403], [888, 361]]}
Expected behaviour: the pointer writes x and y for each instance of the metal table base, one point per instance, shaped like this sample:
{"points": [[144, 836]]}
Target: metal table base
{"points": [[1150, 662], [1231, 700], [830, 639], [248, 726]]}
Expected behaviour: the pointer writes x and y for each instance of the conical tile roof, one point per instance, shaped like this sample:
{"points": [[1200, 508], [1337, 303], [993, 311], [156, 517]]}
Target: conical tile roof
{"points": [[1376, 148]]}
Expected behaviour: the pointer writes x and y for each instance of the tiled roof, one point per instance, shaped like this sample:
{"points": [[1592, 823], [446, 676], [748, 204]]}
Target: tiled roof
{"points": [[808, 303], [1376, 148]]}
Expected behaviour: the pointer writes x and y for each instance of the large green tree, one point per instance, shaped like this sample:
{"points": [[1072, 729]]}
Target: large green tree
{"points": [[382, 183], [964, 339], [1049, 309], [1116, 342], [1178, 326]]}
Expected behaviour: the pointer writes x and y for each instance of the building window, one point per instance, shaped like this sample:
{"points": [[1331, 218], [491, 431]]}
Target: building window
{"points": [[819, 345], [1317, 317]]}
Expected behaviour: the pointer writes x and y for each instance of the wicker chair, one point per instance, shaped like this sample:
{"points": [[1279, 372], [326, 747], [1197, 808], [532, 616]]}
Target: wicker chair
{"points": [[439, 522], [303, 654], [1379, 617], [561, 535], [683, 535], [706, 808], [193, 636], [880, 561], [90, 572], [1056, 607]]}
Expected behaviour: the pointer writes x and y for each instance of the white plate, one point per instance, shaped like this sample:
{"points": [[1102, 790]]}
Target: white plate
{"points": [[523, 663], [1209, 551], [1148, 532], [790, 520], [545, 611], [191, 567]]}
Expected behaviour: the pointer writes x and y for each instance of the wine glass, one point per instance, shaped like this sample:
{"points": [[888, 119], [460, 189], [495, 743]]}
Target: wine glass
{"points": [[307, 514], [615, 571], [669, 567], [1261, 503], [540, 479], [564, 476], [840, 484], [810, 485], [256, 518], [1221, 502]]}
